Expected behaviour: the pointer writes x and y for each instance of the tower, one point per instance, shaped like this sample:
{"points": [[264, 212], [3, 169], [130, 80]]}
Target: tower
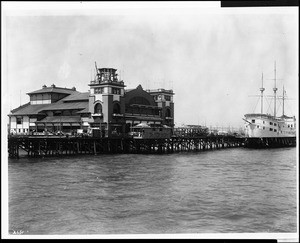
{"points": [[106, 102], [164, 99]]}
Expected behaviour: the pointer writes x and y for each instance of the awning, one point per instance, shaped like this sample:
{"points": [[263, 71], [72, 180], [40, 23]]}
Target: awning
{"points": [[146, 106], [142, 125], [70, 124], [60, 119]]}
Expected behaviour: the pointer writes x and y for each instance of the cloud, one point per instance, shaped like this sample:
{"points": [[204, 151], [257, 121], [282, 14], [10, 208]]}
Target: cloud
{"points": [[202, 56]]}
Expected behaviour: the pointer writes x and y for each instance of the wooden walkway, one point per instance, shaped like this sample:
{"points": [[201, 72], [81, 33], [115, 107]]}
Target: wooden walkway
{"points": [[56, 146]]}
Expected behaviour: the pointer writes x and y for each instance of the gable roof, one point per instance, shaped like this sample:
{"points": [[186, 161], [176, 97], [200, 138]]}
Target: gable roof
{"points": [[139, 96], [85, 110], [60, 105], [74, 101], [53, 89], [29, 109]]}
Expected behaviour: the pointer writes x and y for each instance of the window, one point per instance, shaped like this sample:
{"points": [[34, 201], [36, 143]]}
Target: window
{"points": [[288, 125], [275, 124], [19, 120], [271, 123], [264, 128], [275, 130], [116, 91], [167, 97], [271, 129], [291, 125], [98, 108], [116, 108], [99, 90], [253, 120], [263, 122], [168, 113], [257, 126]]}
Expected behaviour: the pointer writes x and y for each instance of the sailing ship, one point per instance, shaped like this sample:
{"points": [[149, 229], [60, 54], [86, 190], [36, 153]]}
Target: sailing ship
{"points": [[261, 125]]}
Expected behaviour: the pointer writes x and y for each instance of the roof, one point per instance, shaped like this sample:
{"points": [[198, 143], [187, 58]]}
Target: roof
{"points": [[76, 96], [166, 91], [60, 105], [58, 119], [140, 97], [128, 90], [267, 116], [20, 107], [28, 109], [286, 117], [85, 110], [259, 115], [54, 90], [106, 68]]}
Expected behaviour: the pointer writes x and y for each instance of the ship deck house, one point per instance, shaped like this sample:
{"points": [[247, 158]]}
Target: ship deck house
{"points": [[107, 106]]}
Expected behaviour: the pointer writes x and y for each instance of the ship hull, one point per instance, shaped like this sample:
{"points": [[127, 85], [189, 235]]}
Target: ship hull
{"points": [[266, 126]]}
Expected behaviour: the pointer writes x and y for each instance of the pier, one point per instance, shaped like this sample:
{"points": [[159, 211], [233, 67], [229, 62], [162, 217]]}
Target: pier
{"points": [[59, 146], [270, 142]]}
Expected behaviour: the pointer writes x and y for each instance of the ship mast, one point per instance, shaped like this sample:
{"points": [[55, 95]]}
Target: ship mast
{"points": [[275, 89], [283, 101], [262, 89]]}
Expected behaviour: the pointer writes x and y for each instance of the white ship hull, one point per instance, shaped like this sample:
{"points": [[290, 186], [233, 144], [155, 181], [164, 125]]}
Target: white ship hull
{"points": [[266, 126]]}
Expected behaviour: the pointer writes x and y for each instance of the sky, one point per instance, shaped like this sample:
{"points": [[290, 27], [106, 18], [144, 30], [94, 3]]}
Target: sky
{"points": [[212, 58]]}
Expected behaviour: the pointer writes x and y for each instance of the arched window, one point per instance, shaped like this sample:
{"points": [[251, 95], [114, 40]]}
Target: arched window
{"points": [[116, 108], [98, 108]]}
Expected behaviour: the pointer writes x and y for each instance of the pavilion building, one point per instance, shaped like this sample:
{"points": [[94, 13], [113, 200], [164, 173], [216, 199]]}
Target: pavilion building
{"points": [[107, 106]]}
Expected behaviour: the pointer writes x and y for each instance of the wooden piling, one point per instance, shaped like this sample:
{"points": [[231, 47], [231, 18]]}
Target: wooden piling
{"points": [[56, 146]]}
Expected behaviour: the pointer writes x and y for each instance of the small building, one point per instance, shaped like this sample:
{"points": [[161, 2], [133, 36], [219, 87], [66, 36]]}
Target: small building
{"points": [[108, 107]]}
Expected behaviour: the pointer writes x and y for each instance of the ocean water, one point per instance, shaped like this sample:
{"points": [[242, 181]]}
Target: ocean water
{"points": [[222, 191]]}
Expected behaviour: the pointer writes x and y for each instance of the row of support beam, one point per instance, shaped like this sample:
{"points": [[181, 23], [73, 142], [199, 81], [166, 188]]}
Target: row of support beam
{"points": [[55, 146]]}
